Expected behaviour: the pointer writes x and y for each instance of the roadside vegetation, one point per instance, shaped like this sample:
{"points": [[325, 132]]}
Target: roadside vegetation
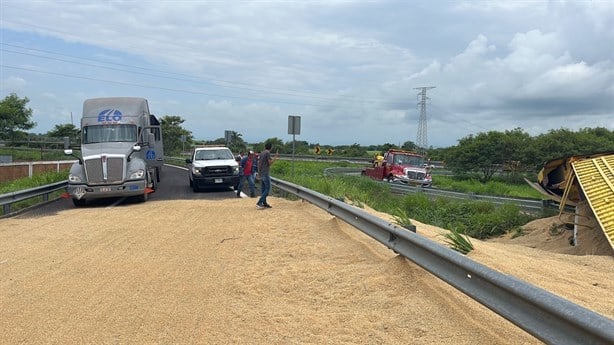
{"points": [[477, 219], [26, 154], [508, 186], [35, 181]]}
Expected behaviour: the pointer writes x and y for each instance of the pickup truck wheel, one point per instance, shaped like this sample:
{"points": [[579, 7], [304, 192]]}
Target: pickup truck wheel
{"points": [[195, 187]]}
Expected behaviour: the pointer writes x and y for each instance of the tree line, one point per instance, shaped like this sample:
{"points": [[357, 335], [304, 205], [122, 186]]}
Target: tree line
{"points": [[483, 154]]}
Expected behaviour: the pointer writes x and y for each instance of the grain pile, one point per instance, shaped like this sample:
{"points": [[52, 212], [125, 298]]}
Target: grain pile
{"points": [[222, 272]]}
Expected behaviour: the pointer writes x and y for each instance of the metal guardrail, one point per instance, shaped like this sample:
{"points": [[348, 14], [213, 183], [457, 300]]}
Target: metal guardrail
{"points": [[544, 315], [6, 200], [528, 205]]}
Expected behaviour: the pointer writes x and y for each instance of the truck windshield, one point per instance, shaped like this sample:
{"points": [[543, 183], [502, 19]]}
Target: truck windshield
{"points": [[109, 133], [409, 160], [213, 154]]}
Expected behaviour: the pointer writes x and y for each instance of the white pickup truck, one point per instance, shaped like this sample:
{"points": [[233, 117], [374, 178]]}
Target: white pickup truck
{"points": [[212, 166]]}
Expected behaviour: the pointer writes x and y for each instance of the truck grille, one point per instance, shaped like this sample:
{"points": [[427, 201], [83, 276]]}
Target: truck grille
{"points": [[94, 168], [213, 171], [415, 175]]}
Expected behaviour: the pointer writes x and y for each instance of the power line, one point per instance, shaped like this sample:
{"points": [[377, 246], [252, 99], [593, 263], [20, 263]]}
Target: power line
{"points": [[150, 86], [217, 82], [229, 85]]}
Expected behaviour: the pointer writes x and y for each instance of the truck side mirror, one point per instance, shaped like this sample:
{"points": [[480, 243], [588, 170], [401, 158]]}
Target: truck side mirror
{"points": [[68, 151], [151, 139], [135, 148]]}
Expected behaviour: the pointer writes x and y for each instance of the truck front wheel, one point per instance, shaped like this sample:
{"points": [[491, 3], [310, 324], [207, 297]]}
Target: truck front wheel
{"points": [[144, 197]]}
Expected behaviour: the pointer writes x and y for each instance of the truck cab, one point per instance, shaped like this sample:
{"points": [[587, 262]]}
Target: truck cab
{"points": [[401, 166], [121, 151]]}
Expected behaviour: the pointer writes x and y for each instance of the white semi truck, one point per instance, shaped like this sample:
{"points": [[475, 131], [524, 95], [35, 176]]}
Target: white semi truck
{"points": [[121, 151]]}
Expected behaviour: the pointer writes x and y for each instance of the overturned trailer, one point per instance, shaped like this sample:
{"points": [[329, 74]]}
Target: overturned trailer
{"points": [[585, 182]]}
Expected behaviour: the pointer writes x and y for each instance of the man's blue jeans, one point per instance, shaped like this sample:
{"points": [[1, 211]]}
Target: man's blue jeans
{"points": [[265, 181], [250, 181]]}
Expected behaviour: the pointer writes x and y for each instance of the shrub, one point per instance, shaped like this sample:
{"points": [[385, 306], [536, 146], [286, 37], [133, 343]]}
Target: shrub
{"points": [[458, 241], [478, 219]]}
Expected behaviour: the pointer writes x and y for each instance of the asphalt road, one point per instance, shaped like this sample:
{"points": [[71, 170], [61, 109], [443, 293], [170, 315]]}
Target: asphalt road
{"points": [[173, 186]]}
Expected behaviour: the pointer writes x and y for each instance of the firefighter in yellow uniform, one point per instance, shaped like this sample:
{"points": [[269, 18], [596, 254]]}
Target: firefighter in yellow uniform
{"points": [[379, 159]]}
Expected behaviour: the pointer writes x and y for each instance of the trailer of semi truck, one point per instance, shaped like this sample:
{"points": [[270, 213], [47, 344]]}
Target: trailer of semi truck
{"points": [[121, 151]]}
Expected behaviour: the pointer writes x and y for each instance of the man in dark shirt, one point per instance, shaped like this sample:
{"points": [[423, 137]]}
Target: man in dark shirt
{"points": [[264, 171]]}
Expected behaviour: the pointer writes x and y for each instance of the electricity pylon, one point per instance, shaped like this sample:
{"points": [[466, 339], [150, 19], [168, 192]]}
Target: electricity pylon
{"points": [[422, 139]]}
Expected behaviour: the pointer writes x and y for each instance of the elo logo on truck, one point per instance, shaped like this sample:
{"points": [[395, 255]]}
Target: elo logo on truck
{"points": [[110, 115]]}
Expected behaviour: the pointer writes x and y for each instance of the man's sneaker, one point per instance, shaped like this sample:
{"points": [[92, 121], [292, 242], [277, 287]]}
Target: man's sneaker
{"points": [[260, 206], [238, 194], [267, 205]]}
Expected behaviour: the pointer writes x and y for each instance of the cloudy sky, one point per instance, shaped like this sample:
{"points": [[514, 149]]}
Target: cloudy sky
{"points": [[351, 69]]}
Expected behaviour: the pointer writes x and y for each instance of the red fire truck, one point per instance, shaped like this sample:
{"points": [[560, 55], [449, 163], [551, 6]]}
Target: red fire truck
{"points": [[400, 166]]}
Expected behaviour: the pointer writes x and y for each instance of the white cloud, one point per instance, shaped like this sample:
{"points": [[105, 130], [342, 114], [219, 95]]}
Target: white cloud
{"points": [[349, 68], [13, 84]]}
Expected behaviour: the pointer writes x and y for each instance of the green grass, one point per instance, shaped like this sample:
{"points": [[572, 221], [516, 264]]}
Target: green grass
{"points": [[25, 154], [478, 219], [458, 241], [496, 187], [36, 181]]}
